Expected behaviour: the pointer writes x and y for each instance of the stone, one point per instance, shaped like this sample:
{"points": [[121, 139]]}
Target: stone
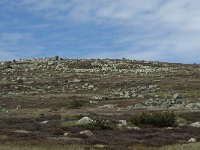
{"points": [[87, 132], [109, 106], [75, 81], [93, 102], [149, 101], [176, 96], [122, 123], [18, 107], [2, 63], [140, 96], [195, 124], [126, 95], [90, 87], [152, 86], [134, 95], [194, 106], [50, 63], [130, 107], [66, 134], [44, 122], [84, 121], [156, 96], [134, 127], [97, 97], [139, 105], [192, 140], [100, 146]]}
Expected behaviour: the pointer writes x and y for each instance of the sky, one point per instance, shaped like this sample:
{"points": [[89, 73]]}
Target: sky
{"points": [[154, 30]]}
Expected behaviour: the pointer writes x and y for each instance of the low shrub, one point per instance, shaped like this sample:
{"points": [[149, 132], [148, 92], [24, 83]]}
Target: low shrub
{"points": [[99, 124], [157, 119], [75, 104]]}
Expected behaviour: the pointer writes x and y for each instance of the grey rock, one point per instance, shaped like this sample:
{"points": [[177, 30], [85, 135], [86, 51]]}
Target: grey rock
{"points": [[84, 121], [66, 134], [176, 96], [97, 97], [93, 102], [122, 123], [134, 127], [195, 124], [87, 132], [130, 107], [194, 106], [139, 105], [140, 96], [149, 101], [192, 140], [44, 122], [109, 106]]}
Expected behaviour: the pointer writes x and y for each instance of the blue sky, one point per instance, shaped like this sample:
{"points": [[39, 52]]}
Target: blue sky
{"points": [[162, 30]]}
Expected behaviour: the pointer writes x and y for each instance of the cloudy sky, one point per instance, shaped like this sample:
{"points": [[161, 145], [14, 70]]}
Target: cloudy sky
{"points": [[163, 30]]}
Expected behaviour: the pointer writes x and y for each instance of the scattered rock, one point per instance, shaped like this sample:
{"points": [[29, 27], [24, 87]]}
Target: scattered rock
{"points": [[140, 96], [22, 131], [176, 96], [100, 146], [44, 122], [194, 106], [122, 123], [195, 124], [134, 127], [18, 107], [139, 105], [97, 97], [87, 132], [109, 106], [93, 102], [66, 134], [192, 140], [130, 107], [84, 121]]}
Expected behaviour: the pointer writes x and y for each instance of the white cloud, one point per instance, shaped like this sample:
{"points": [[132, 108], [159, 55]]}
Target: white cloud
{"points": [[14, 37]]}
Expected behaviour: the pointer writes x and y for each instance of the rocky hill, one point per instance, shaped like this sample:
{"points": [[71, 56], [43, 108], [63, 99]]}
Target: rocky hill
{"points": [[43, 98]]}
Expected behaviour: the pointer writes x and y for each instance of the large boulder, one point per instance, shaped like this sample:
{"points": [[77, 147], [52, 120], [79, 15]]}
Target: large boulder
{"points": [[84, 121]]}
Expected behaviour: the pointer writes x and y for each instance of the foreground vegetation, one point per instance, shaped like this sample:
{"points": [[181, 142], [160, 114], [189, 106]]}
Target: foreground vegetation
{"points": [[191, 146], [157, 119]]}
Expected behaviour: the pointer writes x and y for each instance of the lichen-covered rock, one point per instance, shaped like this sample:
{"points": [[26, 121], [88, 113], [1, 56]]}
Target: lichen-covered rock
{"points": [[84, 121]]}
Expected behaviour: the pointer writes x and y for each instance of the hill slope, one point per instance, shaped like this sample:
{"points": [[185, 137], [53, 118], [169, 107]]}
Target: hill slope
{"points": [[41, 100]]}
